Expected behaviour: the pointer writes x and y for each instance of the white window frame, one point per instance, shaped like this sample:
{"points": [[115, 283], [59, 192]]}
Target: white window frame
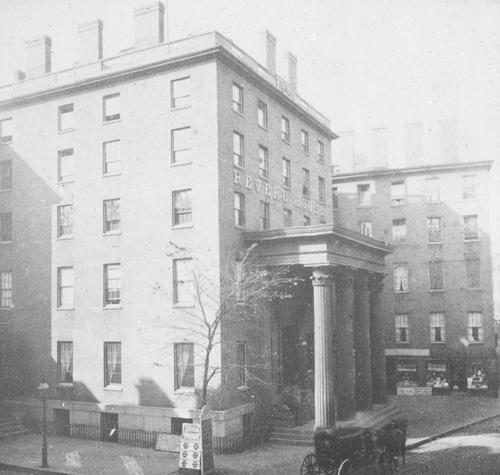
{"points": [[304, 140], [66, 161], [65, 362], [183, 282], [262, 114], [306, 183], [111, 101], [263, 162], [398, 193], [112, 283], [111, 223], [182, 209], [238, 150], [182, 97], [65, 221], [401, 277], [399, 230], [239, 209], [238, 99], [402, 326], [184, 372], [6, 289], [181, 140], [111, 157], [113, 376], [65, 287], [432, 193], [320, 148], [434, 230], [66, 119], [285, 129], [287, 172]]}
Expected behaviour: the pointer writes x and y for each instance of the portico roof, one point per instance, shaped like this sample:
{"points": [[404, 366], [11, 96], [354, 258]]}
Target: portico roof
{"points": [[322, 245]]}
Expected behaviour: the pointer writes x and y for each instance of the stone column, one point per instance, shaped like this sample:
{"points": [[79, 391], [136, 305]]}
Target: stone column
{"points": [[344, 346], [323, 349], [362, 362], [377, 339]]}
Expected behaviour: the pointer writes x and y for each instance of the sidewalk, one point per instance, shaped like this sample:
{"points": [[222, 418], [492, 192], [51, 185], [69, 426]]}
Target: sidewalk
{"points": [[429, 417]]}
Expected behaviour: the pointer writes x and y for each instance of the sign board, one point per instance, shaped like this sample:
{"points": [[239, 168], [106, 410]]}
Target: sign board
{"points": [[168, 443], [190, 450], [423, 391], [406, 392], [207, 441]]}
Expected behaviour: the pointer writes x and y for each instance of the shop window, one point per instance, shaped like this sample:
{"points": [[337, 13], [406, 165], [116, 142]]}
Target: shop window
{"points": [[112, 107], [436, 281], [65, 361], [364, 197], [184, 365], [237, 98], [434, 230], [180, 93], [399, 230], [432, 190], [401, 280], [407, 374], [478, 378], [262, 114], [437, 375], [438, 334], [398, 193], [365, 227], [475, 327], [471, 229], [402, 328]]}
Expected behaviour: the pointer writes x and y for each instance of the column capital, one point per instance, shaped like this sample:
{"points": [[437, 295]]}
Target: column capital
{"points": [[376, 281], [362, 279], [321, 276]]}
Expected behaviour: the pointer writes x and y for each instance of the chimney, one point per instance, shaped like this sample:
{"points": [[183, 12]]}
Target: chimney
{"points": [[379, 147], [292, 69], [270, 51], [149, 25], [38, 57], [413, 145], [90, 41], [449, 141]]}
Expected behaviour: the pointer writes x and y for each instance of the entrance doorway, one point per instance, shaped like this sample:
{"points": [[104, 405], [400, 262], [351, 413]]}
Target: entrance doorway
{"points": [[61, 417], [458, 373], [109, 427], [290, 362]]}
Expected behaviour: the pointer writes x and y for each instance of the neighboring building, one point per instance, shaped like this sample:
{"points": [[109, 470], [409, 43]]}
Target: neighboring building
{"points": [[121, 175], [438, 302]]}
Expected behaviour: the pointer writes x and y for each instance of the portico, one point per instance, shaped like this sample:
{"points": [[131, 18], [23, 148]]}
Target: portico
{"points": [[346, 270]]}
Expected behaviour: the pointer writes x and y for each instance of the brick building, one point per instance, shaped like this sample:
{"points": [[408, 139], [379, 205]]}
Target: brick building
{"points": [[122, 175], [438, 300]]}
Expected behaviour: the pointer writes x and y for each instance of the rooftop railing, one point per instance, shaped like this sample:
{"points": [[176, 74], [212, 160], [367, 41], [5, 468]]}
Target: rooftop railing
{"points": [[144, 57]]}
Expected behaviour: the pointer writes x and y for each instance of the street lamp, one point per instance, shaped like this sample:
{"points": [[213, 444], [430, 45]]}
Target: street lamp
{"points": [[44, 392]]}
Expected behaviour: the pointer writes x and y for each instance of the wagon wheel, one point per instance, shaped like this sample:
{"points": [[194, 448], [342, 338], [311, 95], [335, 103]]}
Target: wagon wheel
{"points": [[310, 466], [383, 463], [346, 467]]}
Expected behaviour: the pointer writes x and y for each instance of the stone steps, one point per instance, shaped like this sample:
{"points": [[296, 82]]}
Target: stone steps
{"points": [[292, 436], [8, 426]]}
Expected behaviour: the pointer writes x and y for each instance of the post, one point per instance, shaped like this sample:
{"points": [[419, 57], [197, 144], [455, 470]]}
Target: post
{"points": [[44, 432]]}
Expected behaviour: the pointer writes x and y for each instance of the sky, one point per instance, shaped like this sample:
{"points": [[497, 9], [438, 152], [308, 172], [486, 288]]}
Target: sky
{"points": [[362, 63]]}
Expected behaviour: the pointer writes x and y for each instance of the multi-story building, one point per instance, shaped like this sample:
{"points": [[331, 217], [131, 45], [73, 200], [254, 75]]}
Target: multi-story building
{"points": [[438, 302], [122, 176]]}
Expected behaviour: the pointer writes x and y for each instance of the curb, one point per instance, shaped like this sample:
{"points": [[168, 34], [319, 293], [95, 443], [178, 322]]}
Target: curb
{"points": [[448, 432], [20, 468]]}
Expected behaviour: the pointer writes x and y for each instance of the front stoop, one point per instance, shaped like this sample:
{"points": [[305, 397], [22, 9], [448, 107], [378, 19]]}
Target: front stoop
{"points": [[8, 427], [292, 436]]}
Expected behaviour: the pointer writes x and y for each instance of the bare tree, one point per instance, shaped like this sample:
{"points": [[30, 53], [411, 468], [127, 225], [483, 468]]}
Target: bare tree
{"points": [[241, 297]]}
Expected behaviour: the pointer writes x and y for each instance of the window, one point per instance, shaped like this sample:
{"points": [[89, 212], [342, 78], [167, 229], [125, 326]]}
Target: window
{"points": [[263, 162], [181, 145], [239, 209], [237, 98], [66, 117], [264, 216], [365, 227], [5, 174], [304, 140], [320, 147], [112, 107], [5, 227], [401, 277], [6, 289], [473, 269], [182, 211], [287, 173], [183, 281], [6, 130], [432, 189], [111, 212], [306, 221], [184, 365], [112, 159], [433, 230], [112, 284], [65, 287], [364, 197], [65, 361], [65, 220], [436, 281], [262, 114], [469, 187], [180, 92], [398, 193], [241, 362], [306, 187], [471, 229], [287, 218], [398, 230], [285, 129], [322, 190], [112, 363], [402, 328], [475, 326], [66, 165], [335, 198], [238, 149], [438, 334]]}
